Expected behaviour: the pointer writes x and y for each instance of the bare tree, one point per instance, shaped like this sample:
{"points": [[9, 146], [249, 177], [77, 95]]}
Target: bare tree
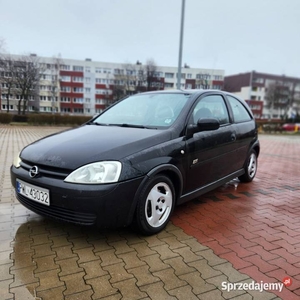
{"points": [[149, 76], [279, 96], [28, 74], [136, 78], [7, 78], [20, 77], [55, 83]]}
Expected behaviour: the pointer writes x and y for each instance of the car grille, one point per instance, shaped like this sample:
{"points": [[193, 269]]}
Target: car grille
{"points": [[58, 212], [47, 171]]}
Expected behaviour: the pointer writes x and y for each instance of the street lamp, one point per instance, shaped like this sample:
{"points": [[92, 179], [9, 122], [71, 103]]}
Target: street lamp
{"points": [[180, 46]]}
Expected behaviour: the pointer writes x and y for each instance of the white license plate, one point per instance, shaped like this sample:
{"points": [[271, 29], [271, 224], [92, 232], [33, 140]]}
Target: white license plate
{"points": [[33, 192]]}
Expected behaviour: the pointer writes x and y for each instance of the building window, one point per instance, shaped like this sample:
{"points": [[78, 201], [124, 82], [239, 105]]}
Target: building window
{"points": [[169, 85], [258, 80], [77, 79], [78, 68], [78, 90], [118, 71], [189, 76], [78, 110], [130, 72], [65, 67], [10, 107], [66, 89], [159, 74], [77, 100], [169, 75], [101, 101], [203, 76], [65, 78], [218, 77], [66, 110]]}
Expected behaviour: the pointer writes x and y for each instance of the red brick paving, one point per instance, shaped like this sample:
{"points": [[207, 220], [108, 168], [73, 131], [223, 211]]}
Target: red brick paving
{"points": [[255, 226]]}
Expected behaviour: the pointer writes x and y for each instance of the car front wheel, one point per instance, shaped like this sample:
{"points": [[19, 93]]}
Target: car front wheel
{"points": [[155, 205], [250, 167]]}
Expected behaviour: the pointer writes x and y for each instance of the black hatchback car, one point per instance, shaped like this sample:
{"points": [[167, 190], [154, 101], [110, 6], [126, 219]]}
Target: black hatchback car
{"points": [[136, 161]]}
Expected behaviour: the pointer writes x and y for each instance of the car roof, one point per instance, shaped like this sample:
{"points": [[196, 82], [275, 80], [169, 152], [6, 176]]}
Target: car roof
{"points": [[189, 91], [186, 91]]}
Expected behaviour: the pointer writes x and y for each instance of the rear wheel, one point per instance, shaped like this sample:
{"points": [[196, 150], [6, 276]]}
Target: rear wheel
{"points": [[155, 205], [250, 167]]}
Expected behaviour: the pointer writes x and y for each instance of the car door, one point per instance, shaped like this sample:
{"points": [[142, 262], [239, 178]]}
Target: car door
{"points": [[245, 129], [210, 153]]}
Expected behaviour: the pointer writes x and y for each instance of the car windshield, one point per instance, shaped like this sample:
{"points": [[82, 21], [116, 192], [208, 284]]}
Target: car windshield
{"points": [[145, 111]]}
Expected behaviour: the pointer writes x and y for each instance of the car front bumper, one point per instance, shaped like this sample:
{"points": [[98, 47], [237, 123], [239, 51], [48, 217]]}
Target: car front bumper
{"points": [[104, 205]]}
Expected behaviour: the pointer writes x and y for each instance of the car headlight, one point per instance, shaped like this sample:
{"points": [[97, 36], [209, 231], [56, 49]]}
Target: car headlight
{"points": [[17, 161], [95, 173]]}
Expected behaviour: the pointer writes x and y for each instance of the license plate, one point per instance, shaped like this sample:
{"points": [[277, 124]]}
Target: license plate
{"points": [[33, 192]]}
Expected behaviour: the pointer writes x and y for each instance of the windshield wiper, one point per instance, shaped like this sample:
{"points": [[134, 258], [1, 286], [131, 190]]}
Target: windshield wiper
{"points": [[99, 124], [122, 125], [133, 126]]}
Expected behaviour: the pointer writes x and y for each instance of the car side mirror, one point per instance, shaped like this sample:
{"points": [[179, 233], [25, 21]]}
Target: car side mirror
{"points": [[208, 124], [204, 125]]}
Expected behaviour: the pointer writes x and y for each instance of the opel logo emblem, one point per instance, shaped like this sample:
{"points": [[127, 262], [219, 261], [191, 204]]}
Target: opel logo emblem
{"points": [[34, 171]]}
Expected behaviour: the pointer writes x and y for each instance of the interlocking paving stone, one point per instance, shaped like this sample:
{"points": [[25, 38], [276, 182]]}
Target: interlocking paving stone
{"points": [[254, 228]]}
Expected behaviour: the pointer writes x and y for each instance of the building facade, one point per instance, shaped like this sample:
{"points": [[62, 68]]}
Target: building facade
{"points": [[85, 87], [269, 96]]}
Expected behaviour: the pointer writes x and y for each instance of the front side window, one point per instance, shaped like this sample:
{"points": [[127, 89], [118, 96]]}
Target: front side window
{"points": [[152, 110], [212, 106], [240, 113]]}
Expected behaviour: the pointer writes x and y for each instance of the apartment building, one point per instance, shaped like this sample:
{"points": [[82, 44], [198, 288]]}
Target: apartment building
{"points": [[269, 96], [86, 87]]}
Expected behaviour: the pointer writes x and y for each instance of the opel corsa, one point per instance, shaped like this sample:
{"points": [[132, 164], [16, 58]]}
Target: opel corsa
{"points": [[137, 160]]}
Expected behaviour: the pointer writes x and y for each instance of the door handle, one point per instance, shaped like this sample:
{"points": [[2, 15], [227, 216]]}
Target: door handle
{"points": [[233, 137]]}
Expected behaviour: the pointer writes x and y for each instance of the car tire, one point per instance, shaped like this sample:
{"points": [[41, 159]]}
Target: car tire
{"points": [[155, 205], [250, 167]]}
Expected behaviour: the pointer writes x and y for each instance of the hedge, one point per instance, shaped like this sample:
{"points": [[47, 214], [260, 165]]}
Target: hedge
{"points": [[44, 119], [5, 118]]}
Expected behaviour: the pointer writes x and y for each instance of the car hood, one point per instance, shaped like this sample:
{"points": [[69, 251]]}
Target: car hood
{"points": [[89, 143]]}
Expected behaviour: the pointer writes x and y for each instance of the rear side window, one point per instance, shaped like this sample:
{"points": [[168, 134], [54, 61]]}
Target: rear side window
{"points": [[240, 113]]}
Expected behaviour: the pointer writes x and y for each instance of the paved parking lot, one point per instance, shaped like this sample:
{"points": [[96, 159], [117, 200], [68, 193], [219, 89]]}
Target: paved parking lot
{"points": [[242, 234]]}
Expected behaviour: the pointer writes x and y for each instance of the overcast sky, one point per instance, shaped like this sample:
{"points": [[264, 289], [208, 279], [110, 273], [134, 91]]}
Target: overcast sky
{"points": [[234, 35]]}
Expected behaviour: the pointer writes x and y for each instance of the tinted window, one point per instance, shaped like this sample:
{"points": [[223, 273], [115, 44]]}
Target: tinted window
{"points": [[212, 106], [240, 113]]}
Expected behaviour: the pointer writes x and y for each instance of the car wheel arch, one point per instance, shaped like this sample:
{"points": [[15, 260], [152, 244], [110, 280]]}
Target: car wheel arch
{"points": [[174, 175], [169, 170]]}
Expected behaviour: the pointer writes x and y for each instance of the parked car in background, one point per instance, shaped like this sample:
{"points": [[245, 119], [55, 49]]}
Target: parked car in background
{"points": [[291, 127], [136, 161]]}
